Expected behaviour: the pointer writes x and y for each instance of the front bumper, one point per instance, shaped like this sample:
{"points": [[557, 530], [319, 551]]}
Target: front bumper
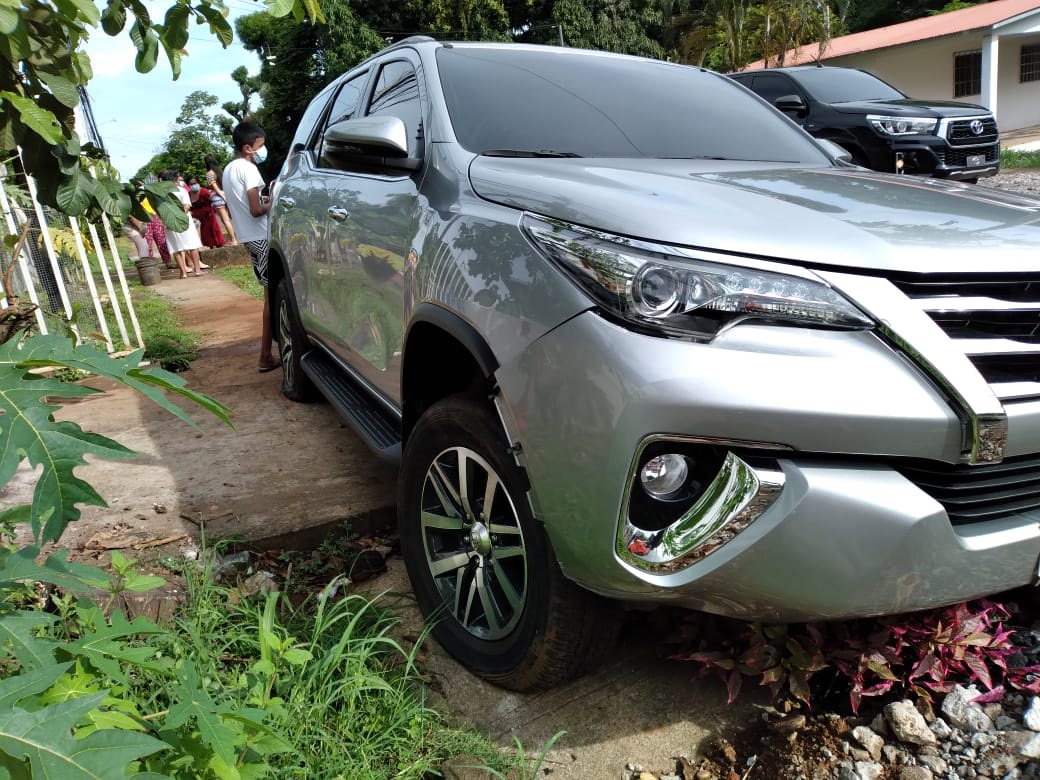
{"points": [[847, 535]]}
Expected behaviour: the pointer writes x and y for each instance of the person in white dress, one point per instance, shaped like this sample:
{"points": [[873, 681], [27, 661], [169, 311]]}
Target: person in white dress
{"points": [[184, 245]]}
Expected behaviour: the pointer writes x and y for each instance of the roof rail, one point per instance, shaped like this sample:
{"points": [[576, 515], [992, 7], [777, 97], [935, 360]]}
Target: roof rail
{"points": [[412, 39]]}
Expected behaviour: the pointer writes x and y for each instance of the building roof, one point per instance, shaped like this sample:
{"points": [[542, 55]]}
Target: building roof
{"points": [[978, 17]]}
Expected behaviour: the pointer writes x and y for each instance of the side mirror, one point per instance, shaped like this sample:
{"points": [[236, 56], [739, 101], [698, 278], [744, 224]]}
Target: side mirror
{"points": [[838, 152], [790, 103], [369, 142]]}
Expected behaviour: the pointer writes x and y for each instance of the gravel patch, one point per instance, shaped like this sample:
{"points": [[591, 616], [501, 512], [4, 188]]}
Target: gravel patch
{"points": [[1017, 179]]}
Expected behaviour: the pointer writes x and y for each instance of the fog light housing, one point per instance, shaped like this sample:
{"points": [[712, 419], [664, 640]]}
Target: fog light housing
{"points": [[666, 477]]}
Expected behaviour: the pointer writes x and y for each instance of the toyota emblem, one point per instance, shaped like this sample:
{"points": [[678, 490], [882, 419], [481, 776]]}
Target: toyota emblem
{"points": [[976, 127]]}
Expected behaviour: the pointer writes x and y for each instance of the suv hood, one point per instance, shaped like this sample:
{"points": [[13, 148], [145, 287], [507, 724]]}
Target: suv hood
{"points": [[823, 216], [942, 109]]}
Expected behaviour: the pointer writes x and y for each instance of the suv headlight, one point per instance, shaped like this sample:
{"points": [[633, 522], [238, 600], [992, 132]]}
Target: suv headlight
{"points": [[682, 293], [900, 125]]}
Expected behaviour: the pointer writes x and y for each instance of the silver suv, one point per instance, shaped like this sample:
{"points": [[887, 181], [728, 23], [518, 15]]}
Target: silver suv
{"points": [[634, 336]]}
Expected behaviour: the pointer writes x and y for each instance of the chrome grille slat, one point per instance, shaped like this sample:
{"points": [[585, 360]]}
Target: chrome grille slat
{"points": [[994, 320], [972, 494]]}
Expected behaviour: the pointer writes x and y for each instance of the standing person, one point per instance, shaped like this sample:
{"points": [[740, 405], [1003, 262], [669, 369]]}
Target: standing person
{"points": [[249, 209], [215, 183], [185, 244], [202, 210]]}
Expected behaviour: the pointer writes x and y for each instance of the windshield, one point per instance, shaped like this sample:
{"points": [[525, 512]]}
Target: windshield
{"points": [[566, 103], [841, 85]]}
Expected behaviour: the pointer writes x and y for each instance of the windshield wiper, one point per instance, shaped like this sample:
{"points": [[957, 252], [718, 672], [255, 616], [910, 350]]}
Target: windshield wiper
{"points": [[527, 153]]}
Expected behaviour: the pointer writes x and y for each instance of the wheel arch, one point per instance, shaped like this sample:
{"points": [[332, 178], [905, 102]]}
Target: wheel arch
{"points": [[443, 355]]}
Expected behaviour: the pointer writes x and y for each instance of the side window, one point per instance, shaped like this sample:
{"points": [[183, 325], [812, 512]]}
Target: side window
{"points": [[305, 130], [347, 99], [773, 85], [397, 94]]}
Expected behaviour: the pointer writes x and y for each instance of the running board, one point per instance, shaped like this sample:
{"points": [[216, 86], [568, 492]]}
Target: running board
{"points": [[377, 426]]}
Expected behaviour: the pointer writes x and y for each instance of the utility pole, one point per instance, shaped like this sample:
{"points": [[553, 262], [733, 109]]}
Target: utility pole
{"points": [[559, 29]]}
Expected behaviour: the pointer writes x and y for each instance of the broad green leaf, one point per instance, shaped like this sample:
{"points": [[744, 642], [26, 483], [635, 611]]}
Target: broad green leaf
{"points": [[45, 738], [39, 120], [113, 19], [85, 9], [112, 198], [15, 45], [22, 565], [59, 447], [171, 212], [193, 702], [9, 18], [297, 656], [106, 647], [141, 13], [75, 193], [15, 688], [16, 515], [218, 23], [148, 54], [175, 58], [175, 27], [313, 10], [280, 8], [17, 631], [62, 88]]}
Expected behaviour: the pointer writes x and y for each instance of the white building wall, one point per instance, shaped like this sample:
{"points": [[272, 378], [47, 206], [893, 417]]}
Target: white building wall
{"points": [[925, 70]]}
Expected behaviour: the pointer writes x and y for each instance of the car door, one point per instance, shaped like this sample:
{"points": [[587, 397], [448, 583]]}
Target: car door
{"points": [[306, 227], [774, 86], [373, 217]]}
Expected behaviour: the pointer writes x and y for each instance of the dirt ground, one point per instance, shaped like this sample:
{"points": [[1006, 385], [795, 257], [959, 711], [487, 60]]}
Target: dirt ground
{"points": [[287, 474]]}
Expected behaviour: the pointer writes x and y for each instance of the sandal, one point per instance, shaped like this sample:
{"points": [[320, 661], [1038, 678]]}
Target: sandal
{"points": [[263, 368]]}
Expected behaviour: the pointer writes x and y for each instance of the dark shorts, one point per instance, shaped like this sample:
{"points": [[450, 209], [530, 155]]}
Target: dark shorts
{"points": [[258, 257]]}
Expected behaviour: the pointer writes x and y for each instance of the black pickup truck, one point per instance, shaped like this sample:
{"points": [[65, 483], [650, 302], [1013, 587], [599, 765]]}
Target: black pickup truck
{"points": [[881, 127]]}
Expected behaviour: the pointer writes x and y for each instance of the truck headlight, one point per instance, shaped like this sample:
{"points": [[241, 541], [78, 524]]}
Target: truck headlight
{"points": [[901, 125], [684, 293]]}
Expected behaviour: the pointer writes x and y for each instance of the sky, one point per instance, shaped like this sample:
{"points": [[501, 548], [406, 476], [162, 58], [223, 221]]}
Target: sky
{"points": [[135, 112]]}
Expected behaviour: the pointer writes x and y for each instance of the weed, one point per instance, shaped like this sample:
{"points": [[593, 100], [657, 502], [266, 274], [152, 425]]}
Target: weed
{"points": [[166, 342], [1012, 158]]}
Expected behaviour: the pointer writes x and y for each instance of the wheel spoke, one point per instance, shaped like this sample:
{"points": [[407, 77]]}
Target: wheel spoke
{"points": [[487, 601], [508, 552], [432, 520], [510, 592], [464, 484], [498, 528], [449, 563], [468, 590], [490, 489], [445, 491]]}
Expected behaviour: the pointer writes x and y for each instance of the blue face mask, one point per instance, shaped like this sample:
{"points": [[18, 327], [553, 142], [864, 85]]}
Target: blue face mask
{"points": [[194, 188], [259, 155]]}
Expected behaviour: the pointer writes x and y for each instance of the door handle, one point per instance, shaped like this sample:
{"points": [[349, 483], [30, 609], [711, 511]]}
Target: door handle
{"points": [[287, 202], [338, 214]]}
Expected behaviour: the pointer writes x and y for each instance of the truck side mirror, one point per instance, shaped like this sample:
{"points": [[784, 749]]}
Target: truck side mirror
{"points": [[790, 103]]}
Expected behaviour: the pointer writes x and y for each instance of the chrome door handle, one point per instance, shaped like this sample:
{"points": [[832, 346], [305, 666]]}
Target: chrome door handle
{"points": [[338, 214], [287, 202]]}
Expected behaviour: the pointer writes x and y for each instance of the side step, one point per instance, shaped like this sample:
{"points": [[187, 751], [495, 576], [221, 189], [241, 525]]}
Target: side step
{"points": [[376, 425]]}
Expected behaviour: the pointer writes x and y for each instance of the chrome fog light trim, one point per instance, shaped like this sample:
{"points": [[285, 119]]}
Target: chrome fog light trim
{"points": [[665, 476], [737, 496]]}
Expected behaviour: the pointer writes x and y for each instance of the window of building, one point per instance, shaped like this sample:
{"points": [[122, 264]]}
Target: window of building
{"points": [[1029, 68], [967, 73]]}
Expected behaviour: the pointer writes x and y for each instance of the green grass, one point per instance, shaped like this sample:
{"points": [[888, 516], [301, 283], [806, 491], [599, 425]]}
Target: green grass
{"points": [[165, 341], [242, 276], [1009, 158]]}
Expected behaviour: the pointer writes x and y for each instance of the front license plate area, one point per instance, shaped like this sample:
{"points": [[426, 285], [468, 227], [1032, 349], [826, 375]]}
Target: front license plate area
{"points": [[975, 160]]}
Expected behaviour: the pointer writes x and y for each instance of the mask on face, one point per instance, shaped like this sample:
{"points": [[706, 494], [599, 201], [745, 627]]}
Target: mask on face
{"points": [[194, 188], [259, 155]]}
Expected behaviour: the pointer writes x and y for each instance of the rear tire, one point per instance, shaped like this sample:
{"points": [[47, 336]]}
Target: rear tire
{"points": [[481, 566], [292, 343]]}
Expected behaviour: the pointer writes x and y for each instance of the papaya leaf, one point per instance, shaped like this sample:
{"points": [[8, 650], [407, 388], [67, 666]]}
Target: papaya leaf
{"points": [[29, 683], [192, 701], [105, 647], [22, 565], [17, 631], [45, 738], [30, 431]]}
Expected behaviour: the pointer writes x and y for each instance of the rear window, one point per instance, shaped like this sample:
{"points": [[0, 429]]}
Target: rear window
{"points": [[837, 85], [599, 106]]}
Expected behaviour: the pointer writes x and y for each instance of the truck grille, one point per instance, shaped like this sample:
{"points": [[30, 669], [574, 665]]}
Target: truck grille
{"points": [[959, 157], [995, 321], [959, 132], [974, 494]]}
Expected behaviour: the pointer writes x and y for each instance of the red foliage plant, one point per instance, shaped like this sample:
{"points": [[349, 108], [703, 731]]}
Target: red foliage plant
{"points": [[919, 653]]}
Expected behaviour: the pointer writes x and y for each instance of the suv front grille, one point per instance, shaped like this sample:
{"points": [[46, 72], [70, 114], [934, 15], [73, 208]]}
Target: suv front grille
{"points": [[959, 132], [959, 157], [974, 494], [995, 321]]}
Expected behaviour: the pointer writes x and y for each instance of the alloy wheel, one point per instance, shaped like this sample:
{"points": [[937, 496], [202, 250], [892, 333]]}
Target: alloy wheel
{"points": [[474, 543]]}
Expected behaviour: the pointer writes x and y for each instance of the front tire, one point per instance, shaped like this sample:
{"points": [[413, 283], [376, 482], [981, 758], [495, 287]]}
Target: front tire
{"points": [[481, 566], [296, 385]]}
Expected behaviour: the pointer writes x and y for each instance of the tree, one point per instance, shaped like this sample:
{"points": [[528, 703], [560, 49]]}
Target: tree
{"points": [[197, 133], [610, 25], [297, 60], [42, 64]]}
